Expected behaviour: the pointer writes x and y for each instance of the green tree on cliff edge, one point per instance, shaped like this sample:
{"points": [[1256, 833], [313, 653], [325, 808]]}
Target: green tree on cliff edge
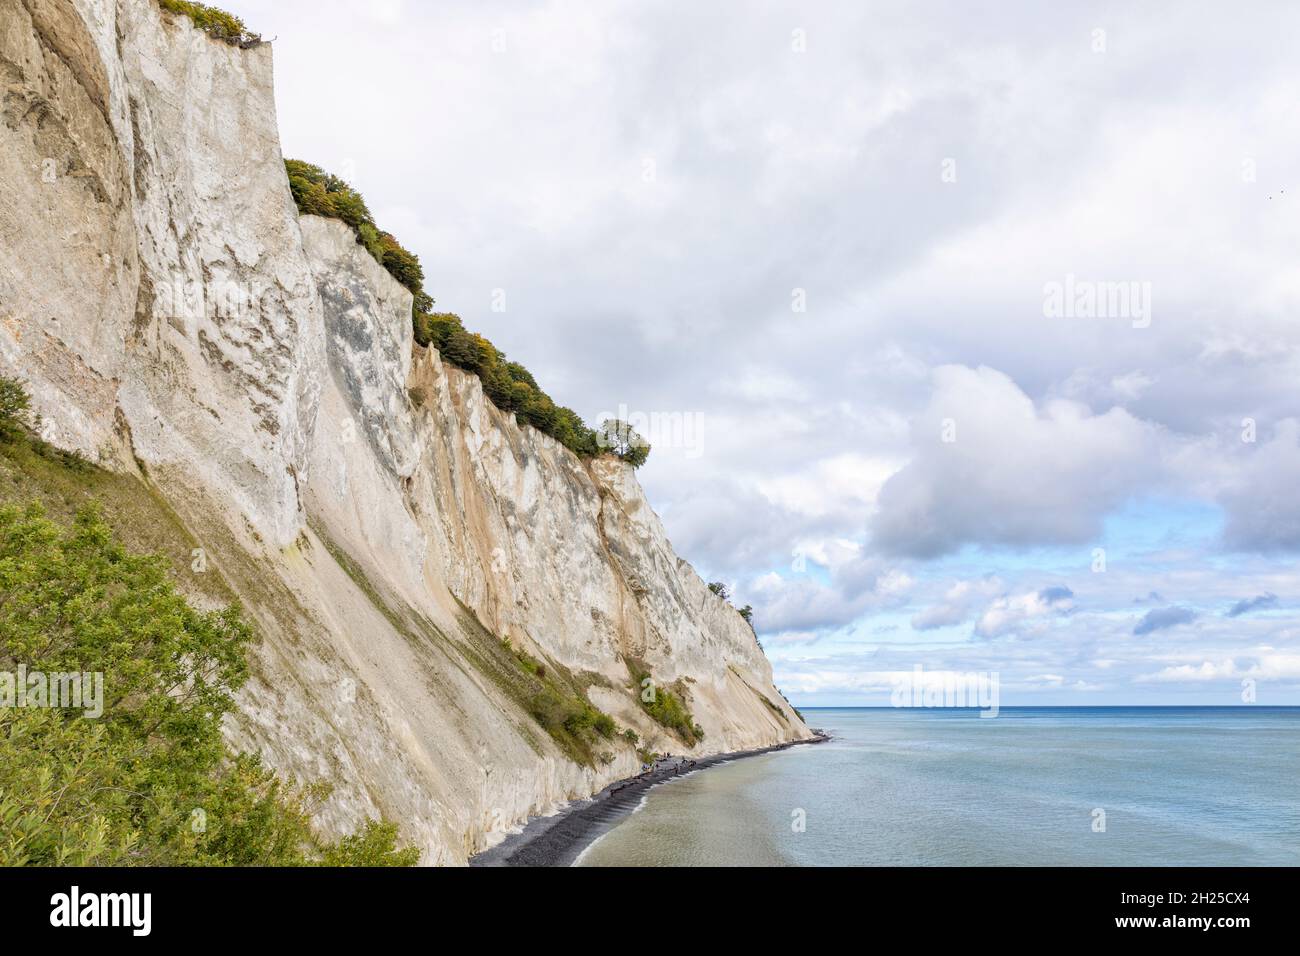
{"points": [[619, 438]]}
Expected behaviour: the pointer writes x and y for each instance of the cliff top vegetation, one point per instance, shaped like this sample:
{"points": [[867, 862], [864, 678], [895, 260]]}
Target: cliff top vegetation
{"points": [[217, 24], [509, 386]]}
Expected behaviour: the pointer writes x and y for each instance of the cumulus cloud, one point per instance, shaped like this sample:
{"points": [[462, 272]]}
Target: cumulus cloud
{"points": [[802, 606], [1011, 613], [992, 468], [1268, 666], [1246, 605], [957, 605], [1162, 618], [1263, 510], [799, 607], [1086, 385]]}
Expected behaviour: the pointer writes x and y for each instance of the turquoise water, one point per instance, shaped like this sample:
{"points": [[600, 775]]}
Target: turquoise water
{"points": [[1178, 786]]}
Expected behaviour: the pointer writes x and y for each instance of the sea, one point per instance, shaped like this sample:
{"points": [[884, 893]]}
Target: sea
{"points": [[1052, 786]]}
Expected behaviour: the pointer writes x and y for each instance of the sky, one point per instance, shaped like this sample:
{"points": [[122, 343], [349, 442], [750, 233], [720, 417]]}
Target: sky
{"points": [[965, 336]]}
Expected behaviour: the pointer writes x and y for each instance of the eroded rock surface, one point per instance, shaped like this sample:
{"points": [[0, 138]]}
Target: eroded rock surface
{"points": [[383, 522]]}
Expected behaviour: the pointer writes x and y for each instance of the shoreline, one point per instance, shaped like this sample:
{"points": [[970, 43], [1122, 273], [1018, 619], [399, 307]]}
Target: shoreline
{"points": [[559, 839]]}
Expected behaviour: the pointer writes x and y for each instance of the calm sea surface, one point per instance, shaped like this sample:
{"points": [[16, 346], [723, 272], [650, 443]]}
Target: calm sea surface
{"points": [[1195, 785]]}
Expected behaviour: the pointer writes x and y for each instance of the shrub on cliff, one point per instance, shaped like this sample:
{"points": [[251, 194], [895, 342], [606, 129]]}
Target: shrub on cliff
{"points": [[562, 709], [508, 385], [404, 266], [19, 424], [218, 24], [318, 193], [664, 706], [132, 769], [15, 409], [746, 612]]}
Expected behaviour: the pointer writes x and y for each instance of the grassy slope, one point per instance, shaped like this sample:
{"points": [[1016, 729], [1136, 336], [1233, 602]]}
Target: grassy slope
{"points": [[145, 523], [138, 515]]}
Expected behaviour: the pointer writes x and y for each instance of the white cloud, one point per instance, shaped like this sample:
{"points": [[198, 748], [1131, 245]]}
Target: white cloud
{"points": [[836, 484], [1261, 502], [798, 607], [991, 468], [1051, 680], [957, 604], [1264, 665], [1008, 614]]}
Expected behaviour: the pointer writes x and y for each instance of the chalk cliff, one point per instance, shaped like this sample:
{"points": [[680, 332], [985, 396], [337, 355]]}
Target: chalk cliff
{"points": [[387, 528]]}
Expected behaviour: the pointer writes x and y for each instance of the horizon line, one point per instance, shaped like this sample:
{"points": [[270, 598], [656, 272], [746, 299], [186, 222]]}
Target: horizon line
{"points": [[1057, 707]]}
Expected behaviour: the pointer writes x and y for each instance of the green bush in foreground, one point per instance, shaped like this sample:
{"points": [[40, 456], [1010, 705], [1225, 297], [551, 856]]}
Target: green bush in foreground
{"points": [[150, 780], [218, 24]]}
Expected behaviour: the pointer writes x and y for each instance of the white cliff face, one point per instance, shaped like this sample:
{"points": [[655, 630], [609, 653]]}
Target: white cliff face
{"points": [[382, 521]]}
